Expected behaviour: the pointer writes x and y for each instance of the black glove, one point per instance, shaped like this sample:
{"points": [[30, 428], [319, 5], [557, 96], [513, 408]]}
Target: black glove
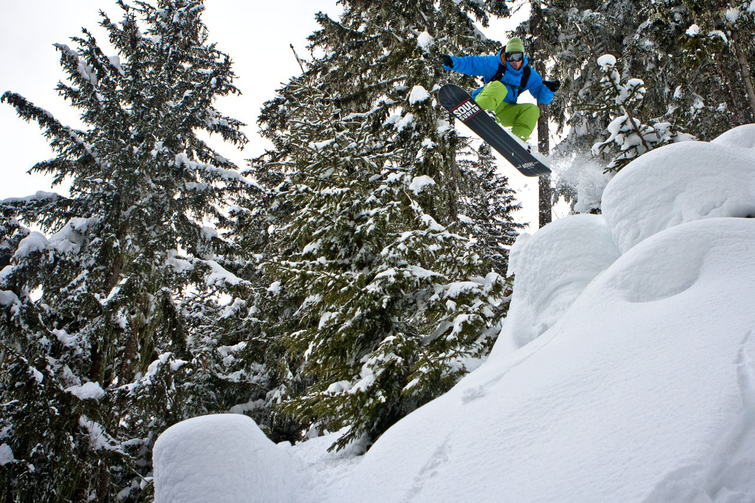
{"points": [[446, 60], [553, 85]]}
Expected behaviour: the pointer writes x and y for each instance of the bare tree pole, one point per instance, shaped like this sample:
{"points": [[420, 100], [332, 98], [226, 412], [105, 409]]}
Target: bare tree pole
{"points": [[298, 60], [545, 191]]}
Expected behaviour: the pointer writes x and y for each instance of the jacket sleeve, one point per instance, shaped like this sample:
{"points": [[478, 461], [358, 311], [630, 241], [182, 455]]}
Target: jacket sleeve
{"points": [[479, 66], [535, 86]]}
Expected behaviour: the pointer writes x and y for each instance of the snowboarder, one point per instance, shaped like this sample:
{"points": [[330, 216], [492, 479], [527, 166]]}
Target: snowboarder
{"points": [[506, 75]]}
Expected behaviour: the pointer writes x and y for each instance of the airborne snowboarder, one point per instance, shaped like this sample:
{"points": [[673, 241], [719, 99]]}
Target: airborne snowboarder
{"points": [[506, 75]]}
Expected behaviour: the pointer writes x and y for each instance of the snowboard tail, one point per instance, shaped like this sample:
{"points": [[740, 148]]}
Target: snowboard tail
{"points": [[457, 101]]}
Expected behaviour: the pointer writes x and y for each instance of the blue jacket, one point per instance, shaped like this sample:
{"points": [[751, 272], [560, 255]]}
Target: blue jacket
{"points": [[487, 67]]}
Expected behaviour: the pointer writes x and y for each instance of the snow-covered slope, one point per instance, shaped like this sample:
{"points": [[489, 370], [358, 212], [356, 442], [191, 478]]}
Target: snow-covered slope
{"points": [[641, 392], [625, 371]]}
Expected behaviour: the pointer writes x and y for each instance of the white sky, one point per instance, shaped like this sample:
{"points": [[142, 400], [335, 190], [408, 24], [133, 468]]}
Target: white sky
{"points": [[256, 34]]}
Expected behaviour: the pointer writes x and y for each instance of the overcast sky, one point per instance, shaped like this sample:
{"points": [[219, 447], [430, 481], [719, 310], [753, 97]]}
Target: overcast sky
{"points": [[256, 34]]}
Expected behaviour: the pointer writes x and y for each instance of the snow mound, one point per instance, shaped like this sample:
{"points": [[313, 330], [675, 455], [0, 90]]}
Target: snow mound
{"points": [[739, 137], [639, 384], [552, 267], [224, 457], [620, 401], [681, 183]]}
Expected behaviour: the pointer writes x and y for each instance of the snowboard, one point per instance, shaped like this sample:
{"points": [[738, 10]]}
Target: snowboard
{"points": [[457, 101]]}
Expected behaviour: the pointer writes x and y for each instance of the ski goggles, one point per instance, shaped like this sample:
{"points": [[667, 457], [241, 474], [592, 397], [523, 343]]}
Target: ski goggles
{"points": [[514, 56]]}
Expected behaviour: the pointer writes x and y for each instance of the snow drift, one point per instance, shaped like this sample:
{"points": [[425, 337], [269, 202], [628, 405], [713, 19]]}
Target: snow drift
{"points": [[547, 289], [625, 371], [224, 457]]}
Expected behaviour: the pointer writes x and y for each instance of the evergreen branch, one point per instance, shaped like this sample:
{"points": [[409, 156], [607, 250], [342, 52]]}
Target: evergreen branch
{"points": [[617, 92], [57, 133], [367, 90]]}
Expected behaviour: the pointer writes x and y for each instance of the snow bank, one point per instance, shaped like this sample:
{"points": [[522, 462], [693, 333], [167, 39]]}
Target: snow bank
{"points": [[681, 183], [643, 391], [227, 458], [552, 268]]}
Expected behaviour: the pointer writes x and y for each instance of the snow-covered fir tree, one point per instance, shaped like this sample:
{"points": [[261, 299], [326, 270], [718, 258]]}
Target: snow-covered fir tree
{"points": [[392, 305], [487, 206], [569, 33], [690, 50], [621, 100], [713, 83], [96, 334], [685, 48], [385, 55]]}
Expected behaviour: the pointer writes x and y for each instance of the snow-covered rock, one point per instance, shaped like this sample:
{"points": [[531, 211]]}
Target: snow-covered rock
{"points": [[224, 457]]}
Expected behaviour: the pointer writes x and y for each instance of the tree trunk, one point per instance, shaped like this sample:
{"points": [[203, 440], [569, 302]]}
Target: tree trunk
{"points": [[545, 193], [744, 70], [545, 214], [453, 180]]}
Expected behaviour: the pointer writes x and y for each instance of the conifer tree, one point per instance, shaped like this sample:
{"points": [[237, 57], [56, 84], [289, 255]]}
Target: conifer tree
{"points": [[487, 207], [713, 78], [569, 33], [696, 55], [630, 136], [393, 307], [384, 54], [96, 344]]}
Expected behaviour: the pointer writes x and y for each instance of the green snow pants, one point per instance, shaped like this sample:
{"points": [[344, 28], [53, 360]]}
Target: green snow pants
{"points": [[522, 119]]}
